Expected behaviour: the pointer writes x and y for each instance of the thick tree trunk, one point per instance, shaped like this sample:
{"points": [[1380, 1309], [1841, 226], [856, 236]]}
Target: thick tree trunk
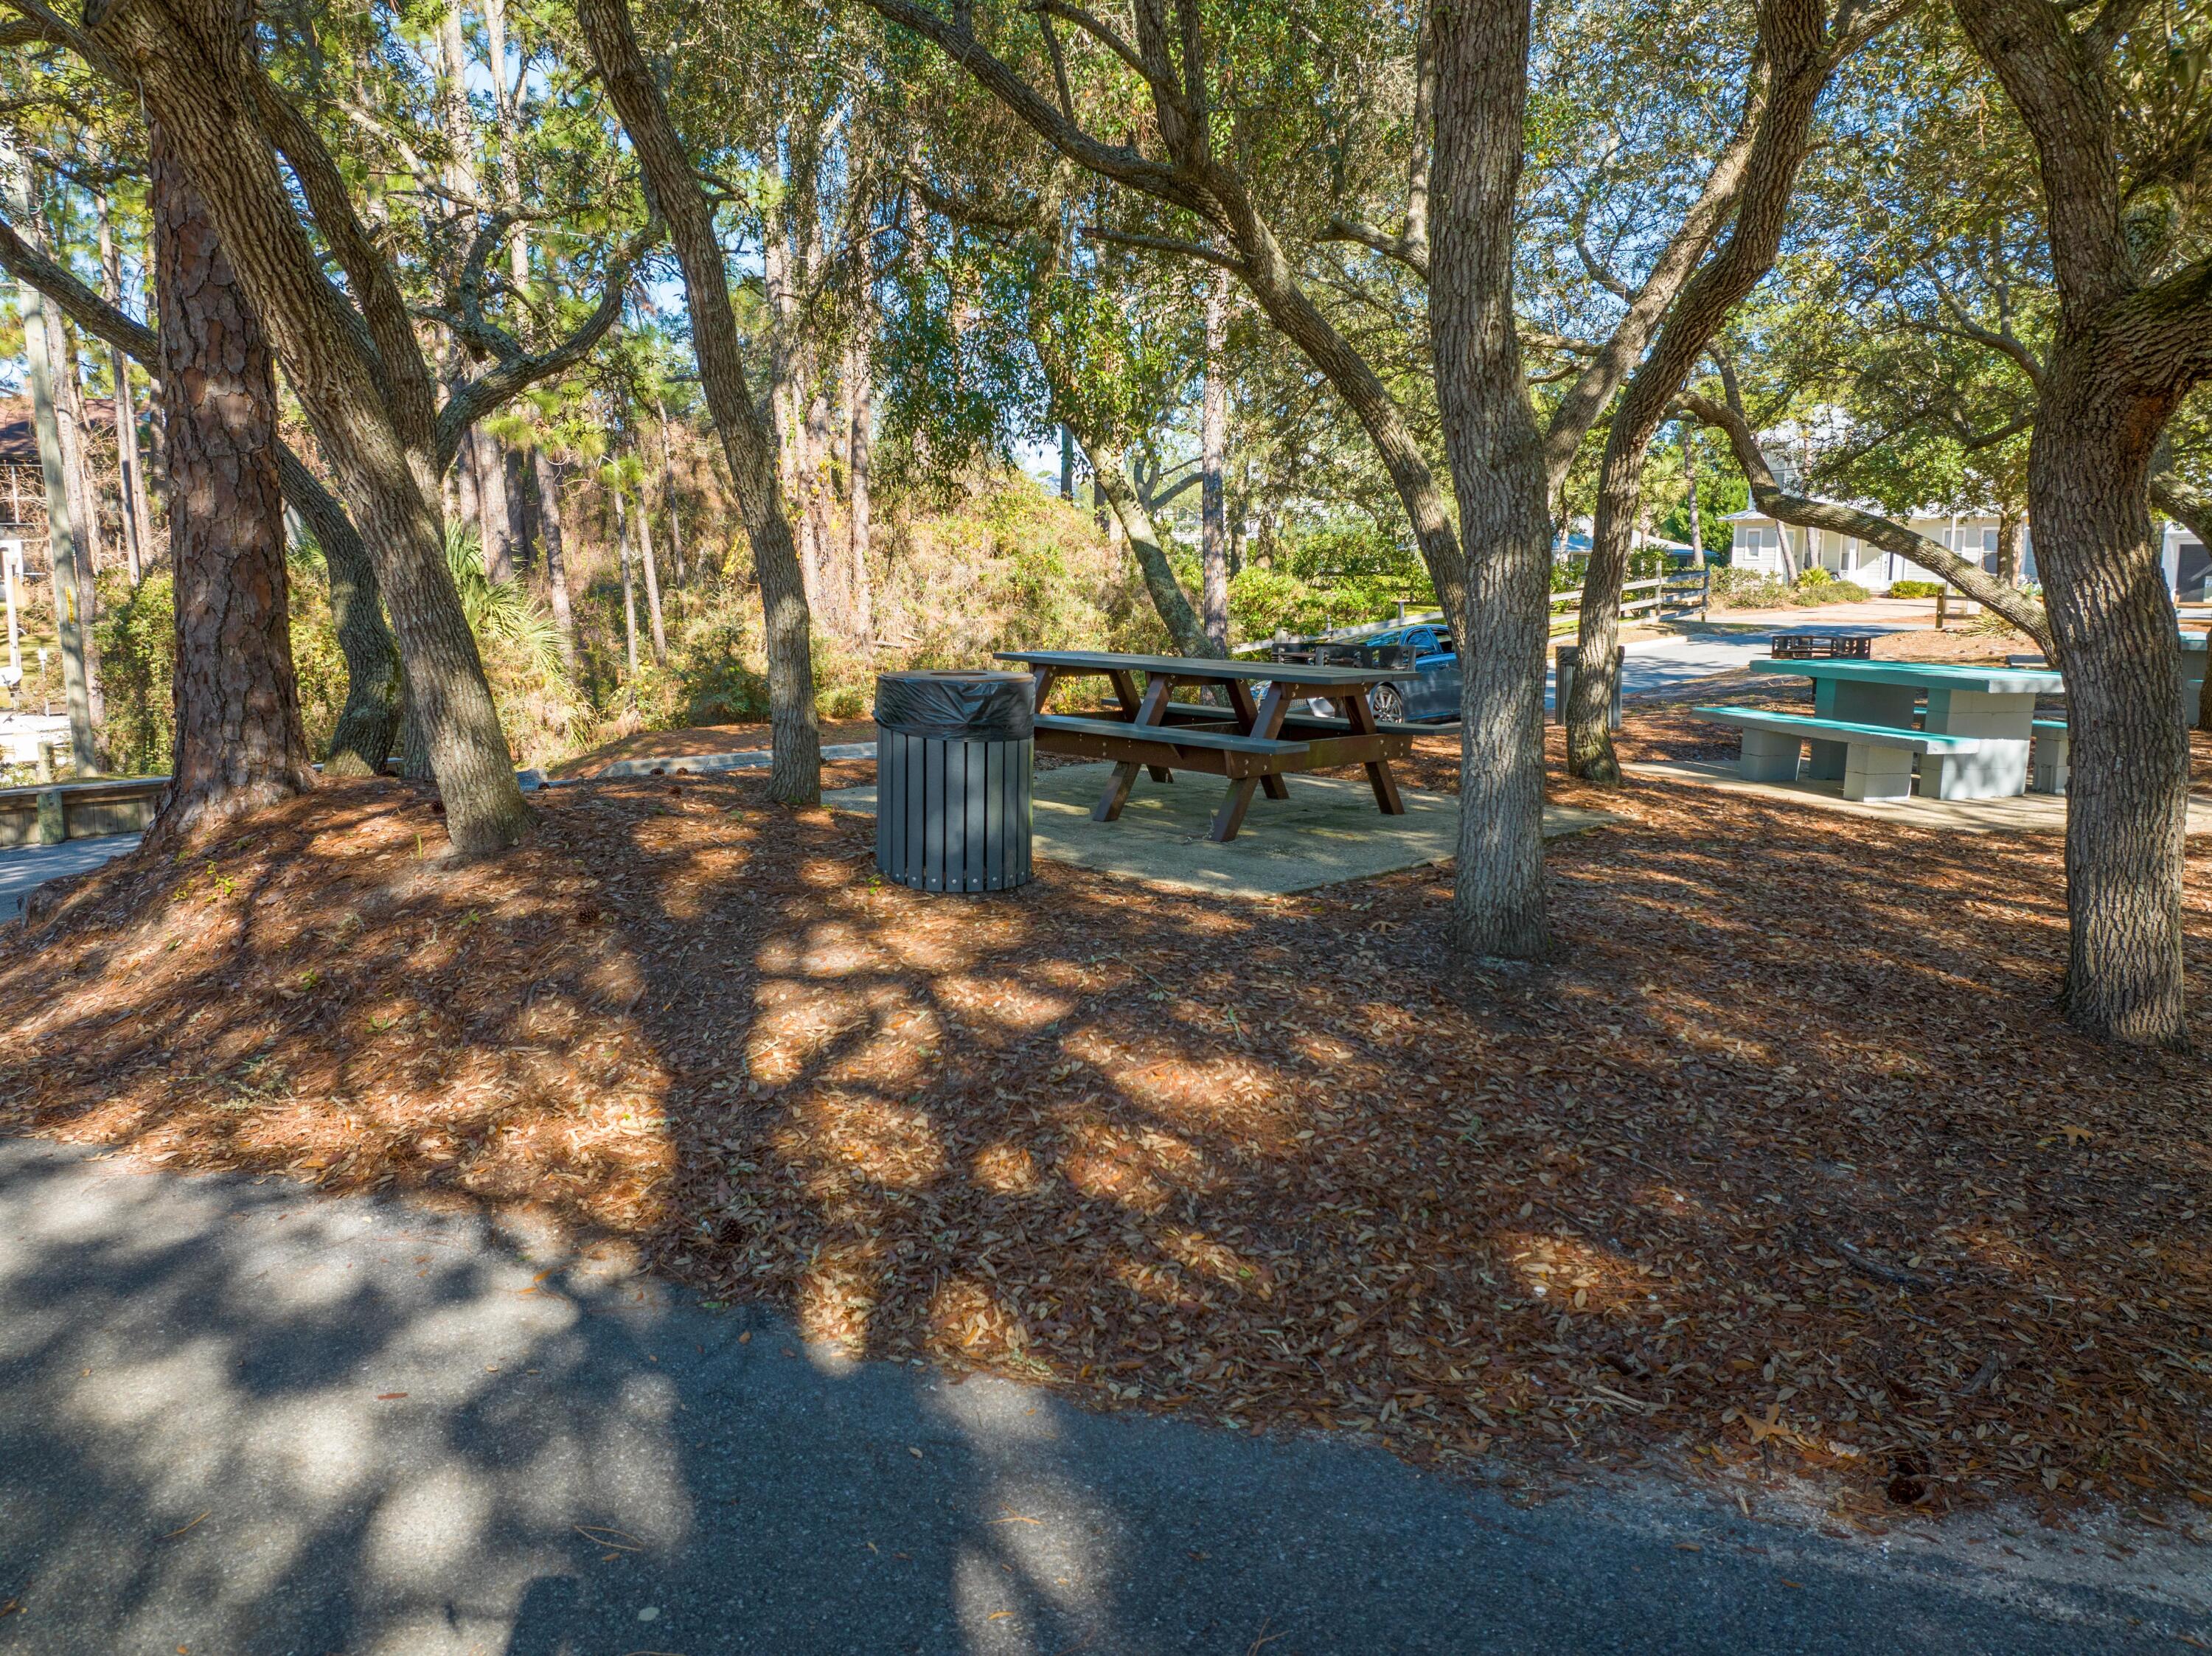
{"points": [[1214, 444], [795, 775], [239, 742], [84, 502], [1498, 473], [358, 372], [2113, 623]]}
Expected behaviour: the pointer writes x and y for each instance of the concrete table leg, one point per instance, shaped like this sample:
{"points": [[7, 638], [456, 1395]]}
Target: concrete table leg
{"points": [[1999, 769], [1769, 756], [1878, 772], [1860, 704]]}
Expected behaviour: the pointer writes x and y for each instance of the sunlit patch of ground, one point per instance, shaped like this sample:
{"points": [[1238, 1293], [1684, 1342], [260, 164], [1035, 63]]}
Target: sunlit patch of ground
{"points": [[1784, 1161]]}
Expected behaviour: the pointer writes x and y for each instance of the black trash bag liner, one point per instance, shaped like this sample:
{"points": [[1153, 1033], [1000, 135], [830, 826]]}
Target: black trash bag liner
{"points": [[954, 706]]}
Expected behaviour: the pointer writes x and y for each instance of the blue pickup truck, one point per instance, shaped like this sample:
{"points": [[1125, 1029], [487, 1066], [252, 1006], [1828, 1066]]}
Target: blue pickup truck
{"points": [[1426, 686]]}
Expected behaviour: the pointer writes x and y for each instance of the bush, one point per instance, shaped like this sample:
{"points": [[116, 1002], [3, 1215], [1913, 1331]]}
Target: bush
{"points": [[1816, 576], [1915, 589], [1828, 590]]}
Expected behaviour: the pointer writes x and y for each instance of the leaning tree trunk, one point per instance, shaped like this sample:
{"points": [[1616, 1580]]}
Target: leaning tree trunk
{"points": [[1191, 636], [2114, 627], [1213, 511], [369, 720], [795, 771], [1499, 474], [239, 743]]}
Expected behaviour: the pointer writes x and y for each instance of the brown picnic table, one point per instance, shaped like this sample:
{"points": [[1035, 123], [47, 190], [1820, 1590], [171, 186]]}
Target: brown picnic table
{"points": [[1253, 742]]}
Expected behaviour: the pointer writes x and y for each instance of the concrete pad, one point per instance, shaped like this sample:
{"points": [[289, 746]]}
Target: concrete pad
{"points": [[702, 764], [25, 869], [2023, 813], [1327, 831]]}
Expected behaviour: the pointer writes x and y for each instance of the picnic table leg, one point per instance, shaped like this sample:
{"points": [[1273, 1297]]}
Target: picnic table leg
{"points": [[1267, 723], [1247, 715], [1045, 678], [1109, 808], [1125, 692], [1361, 717]]}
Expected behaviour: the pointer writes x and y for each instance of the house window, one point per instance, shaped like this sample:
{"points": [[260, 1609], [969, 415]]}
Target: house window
{"points": [[1989, 553]]}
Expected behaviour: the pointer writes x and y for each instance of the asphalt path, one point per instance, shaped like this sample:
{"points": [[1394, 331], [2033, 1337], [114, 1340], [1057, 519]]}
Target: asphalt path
{"points": [[237, 1419]]}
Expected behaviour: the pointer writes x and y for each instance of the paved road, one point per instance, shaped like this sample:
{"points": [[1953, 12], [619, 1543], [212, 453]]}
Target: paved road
{"points": [[1667, 664], [237, 1420], [24, 869]]}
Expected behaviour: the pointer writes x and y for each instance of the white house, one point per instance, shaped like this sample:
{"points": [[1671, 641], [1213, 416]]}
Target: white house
{"points": [[1756, 545]]}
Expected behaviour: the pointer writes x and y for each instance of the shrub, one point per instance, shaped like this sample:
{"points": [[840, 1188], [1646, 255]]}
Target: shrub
{"points": [[1816, 576], [1915, 589], [1828, 590]]}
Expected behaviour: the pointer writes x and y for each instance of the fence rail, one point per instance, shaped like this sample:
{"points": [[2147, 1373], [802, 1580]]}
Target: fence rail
{"points": [[1684, 592]]}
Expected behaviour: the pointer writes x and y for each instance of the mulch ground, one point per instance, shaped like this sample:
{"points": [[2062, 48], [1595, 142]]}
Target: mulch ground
{"points": [[1783, 1168]]}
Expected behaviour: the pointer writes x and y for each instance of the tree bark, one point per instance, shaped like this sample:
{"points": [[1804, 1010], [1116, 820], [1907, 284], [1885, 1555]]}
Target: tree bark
{"points": [[61, 537], [1784, 507], [860, 455], [361, 745], [137, 530], [795, 774], [2125, 350], [1498, 473], [557, 555], [239, 742], [1191, 635], [652, 572], [1213, 534], [359, 372], [1690, 483], [2192, 507], [494, 517], [1795, 61], [628, 586]]}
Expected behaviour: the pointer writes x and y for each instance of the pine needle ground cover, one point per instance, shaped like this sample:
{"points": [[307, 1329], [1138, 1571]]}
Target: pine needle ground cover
{"points": [[1784, 1170]]}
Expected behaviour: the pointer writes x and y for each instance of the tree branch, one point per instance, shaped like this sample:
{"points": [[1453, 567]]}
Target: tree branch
{"points": [[1413, 255], [1168, 245], [1775, 501]]}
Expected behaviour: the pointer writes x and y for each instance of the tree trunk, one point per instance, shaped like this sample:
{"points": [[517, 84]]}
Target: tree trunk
{"points": [[628, 588], [1498, 473], [137, 531], [1169, 599], [1066, 466], [1690, 483], [1796, 60], [668, 493], [557, 555], [651, 573], [61, 538], [494, 517], [795, 775], [354, 359], [239, 743], [84, 502], [859, 456], [1213, 443], [2114, 626], [361, 745]]}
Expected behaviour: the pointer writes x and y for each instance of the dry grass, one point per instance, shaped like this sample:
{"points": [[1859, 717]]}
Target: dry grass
{"points": [[1784, 1164]]}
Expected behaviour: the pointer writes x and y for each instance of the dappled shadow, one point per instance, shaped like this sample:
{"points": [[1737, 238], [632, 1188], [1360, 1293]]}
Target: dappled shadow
{"points": [[1782, 1166]]}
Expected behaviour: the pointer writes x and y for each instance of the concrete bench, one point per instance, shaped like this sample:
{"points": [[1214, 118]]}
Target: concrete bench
{"points": [[1878, 758], [2053, 745]]}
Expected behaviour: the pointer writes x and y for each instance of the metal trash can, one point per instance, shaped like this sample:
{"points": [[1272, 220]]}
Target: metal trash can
{"points": [[1563, 681], [952, 779]]}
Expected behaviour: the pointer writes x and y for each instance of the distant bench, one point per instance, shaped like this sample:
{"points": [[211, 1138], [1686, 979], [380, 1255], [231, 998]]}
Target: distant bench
{"points": [[1878, 758]]}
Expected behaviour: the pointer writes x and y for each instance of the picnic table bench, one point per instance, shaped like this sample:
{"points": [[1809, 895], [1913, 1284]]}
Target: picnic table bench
{"points": [[1251, 742], [1878, 758]]}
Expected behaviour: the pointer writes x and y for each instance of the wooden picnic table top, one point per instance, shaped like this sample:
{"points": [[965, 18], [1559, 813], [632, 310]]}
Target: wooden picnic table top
{"points": [[1926, 675], [1196, 667]]}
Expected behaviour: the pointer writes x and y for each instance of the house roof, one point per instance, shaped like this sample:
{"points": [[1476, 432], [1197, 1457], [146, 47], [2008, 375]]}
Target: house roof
{"points": [[19, 443]]}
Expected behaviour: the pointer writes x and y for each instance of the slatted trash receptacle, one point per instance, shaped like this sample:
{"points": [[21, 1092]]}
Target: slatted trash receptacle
{"points": [[952, 779], [1563, 658]]}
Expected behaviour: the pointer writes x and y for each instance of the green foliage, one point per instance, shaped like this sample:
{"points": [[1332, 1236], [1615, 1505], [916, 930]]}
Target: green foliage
{"points": [[1816, 576], [1828, 592], [137, 635], [1915, 589]]}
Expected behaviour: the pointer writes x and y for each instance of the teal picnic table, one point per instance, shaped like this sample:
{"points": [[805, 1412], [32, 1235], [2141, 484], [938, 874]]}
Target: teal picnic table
{"points": [[1994, 705]]}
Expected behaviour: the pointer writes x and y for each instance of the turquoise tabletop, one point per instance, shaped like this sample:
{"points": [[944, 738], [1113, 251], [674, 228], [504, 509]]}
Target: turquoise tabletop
{"points": [[1926, 675]]}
